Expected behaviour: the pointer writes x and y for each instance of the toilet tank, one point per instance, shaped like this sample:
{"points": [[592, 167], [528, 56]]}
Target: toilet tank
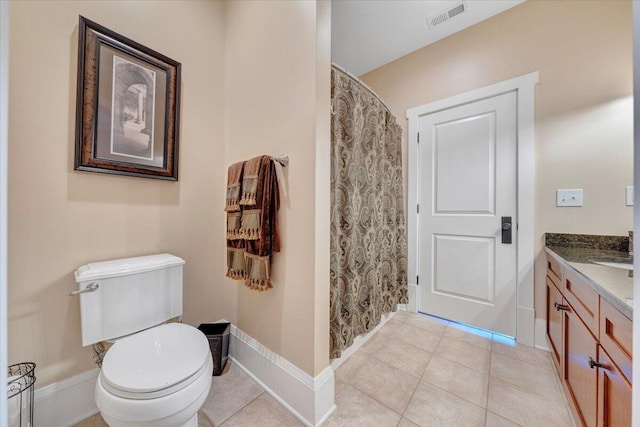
{"points": [[133, 294]]}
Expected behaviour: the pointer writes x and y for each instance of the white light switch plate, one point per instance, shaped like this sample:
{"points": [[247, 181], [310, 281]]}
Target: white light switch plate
{"points": [[572, 197], [630, 195]]}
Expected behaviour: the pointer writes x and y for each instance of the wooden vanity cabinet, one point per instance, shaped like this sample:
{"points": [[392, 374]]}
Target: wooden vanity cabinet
{"points": [[580, 355], [591, 345]]}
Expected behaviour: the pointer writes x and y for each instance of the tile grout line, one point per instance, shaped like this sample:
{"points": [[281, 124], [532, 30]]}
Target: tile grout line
{"points": [[565, 397], [521, 360], [450, 392], [247, 404], [419, 378], [521, 387], [470, 343], [414, 390], [455, 362], [489, 385], [517, 385], [486, 403], [418, 384], [461, 364], [381, 403], [200, 413]]}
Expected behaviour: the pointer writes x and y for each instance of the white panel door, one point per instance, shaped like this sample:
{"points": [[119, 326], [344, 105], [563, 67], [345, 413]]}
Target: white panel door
{"points": [[467, 183]]}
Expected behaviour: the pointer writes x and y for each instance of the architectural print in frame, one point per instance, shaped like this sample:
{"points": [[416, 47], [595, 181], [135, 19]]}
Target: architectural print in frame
{"points": [[127, 106]]}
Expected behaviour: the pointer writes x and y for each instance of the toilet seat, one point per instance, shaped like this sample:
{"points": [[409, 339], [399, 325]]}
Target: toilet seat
{"points": [[156, 378], [155, 362], [152, 394], [168, 411]]}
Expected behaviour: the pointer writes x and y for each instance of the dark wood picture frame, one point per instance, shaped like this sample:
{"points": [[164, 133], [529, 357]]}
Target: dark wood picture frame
{"points": [[127, 108]]}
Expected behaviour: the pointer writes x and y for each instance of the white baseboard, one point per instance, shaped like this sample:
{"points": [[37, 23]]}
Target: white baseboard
{"points": [[66, 402], [413, 294], [541, 335], [525, 326], [310, 399]]}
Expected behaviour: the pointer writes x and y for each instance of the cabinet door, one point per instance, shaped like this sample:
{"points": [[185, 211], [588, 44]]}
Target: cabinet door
{"points": [[555, 304], [582, 381], [614, 395]]}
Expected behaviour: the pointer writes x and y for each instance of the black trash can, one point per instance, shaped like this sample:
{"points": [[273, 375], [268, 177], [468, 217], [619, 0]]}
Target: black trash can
{"points": [[218, 336]]}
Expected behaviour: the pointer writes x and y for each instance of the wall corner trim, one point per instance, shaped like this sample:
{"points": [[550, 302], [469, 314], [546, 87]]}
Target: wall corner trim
{"points": [[310, 399]]}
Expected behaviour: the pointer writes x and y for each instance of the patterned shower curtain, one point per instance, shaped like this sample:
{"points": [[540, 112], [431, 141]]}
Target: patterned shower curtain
{"points": [[368, 230]]}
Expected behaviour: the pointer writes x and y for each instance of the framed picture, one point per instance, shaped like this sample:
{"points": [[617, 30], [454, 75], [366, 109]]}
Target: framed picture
{"points": [[127, 107]]}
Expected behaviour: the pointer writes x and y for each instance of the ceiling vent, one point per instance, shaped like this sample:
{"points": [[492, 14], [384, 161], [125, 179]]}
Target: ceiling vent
{"points": [[447, 14]]}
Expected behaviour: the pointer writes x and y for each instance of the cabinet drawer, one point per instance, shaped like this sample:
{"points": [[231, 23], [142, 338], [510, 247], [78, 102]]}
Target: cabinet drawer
{"points": [[584, 300], [554, 271], [616, 337]]}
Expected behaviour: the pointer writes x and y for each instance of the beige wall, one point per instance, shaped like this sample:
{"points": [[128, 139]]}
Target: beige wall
{"points": [[583, 112], [277, 59], [60, 219], [242, 95]]}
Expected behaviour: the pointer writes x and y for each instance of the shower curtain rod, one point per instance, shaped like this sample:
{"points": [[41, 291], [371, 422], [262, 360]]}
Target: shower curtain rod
{"points": [[354, 77]]}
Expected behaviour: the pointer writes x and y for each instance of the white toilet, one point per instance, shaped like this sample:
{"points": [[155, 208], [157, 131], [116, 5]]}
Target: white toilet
{"points": [[155, 374]]}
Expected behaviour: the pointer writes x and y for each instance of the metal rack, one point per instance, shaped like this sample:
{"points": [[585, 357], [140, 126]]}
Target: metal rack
{"points": [[21, 380]]}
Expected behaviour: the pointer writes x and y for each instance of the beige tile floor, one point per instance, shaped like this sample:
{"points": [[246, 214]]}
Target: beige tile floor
{"points": [[416, 371]]}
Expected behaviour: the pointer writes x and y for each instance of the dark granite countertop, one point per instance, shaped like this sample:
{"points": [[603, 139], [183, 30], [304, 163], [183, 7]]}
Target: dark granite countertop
{"points": [[613, 284]]}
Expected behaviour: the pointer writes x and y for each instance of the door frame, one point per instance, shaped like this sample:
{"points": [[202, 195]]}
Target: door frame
{"points": [[4, 135], [525, 103]]}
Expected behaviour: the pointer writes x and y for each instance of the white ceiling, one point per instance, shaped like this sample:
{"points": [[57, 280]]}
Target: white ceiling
{"points": [[366, 34]]}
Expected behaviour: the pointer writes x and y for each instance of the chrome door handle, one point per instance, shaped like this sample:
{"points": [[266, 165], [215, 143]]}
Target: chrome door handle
{"points": [[91, 287]]}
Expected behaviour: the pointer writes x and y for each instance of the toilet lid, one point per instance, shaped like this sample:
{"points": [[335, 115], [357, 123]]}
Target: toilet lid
{"points": [[155, 359]]}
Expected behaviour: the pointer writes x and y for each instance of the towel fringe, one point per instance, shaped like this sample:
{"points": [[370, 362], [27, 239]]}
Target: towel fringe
{"points": [[236, 275], [248, 199], [235, 235], [258, 284], [249, 234], [232, 205]]}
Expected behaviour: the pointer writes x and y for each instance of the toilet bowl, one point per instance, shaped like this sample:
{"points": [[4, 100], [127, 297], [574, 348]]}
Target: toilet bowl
{"points": [[159, 377], [156, 373]]}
